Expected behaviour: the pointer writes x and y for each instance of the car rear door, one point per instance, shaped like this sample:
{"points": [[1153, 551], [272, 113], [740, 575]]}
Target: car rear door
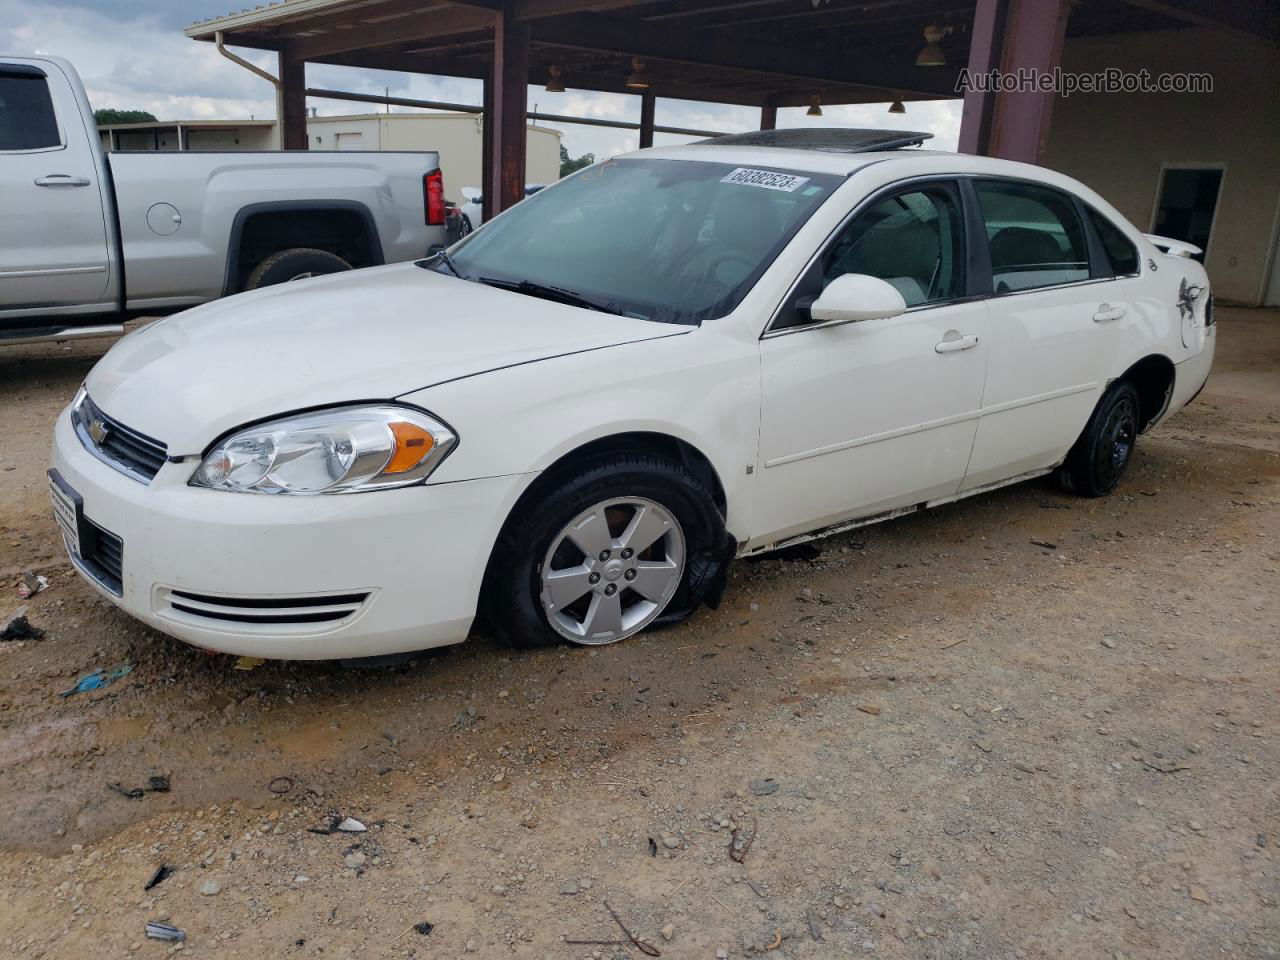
{"points": [[861, 418], [1054, 316], [53, 234]]}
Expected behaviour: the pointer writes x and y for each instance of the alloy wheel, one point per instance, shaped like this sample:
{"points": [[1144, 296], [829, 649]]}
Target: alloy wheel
{"points": [[611, 570]]}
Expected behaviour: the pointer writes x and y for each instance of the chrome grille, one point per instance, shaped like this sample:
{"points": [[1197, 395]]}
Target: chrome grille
{"points": [[132, 453]]}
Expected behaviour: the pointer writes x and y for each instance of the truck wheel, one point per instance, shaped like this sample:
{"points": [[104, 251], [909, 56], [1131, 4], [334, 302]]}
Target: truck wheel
{"points": [[297, 263], [1099, 458], [601, 554]]}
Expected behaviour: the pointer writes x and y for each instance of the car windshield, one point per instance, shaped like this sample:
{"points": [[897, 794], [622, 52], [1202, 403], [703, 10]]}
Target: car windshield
{"points": [[677, 241]]}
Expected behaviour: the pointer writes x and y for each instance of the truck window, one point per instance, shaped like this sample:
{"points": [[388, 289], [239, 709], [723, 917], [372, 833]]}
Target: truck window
{"points": [[27, 121]]}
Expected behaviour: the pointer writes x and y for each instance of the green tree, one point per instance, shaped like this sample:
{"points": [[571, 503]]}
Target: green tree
{"points": [[108, 117], [570, 165]]}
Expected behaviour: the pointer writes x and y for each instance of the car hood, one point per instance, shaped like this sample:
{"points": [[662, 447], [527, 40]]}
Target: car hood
{"points": [[369, 334]]}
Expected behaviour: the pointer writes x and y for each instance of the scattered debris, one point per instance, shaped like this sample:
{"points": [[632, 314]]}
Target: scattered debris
{"points": [[163, 931], [330, 827], [653, 847], [162, 874], [1161, 765], [668, 932], [776, 942], [1044, 543], [280, 785], [157, 784], [18, 627], [31, 585], [763, 786], [952, 643], [1198, 893], [871, 708], [248, 663], [1109, 642], [738, 847], [210, 888], [643, 946], [351, 825], [98, 679]]}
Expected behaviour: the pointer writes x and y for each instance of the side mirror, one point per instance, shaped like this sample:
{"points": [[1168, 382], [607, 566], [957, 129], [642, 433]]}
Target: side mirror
{"points": [[856, 296]]}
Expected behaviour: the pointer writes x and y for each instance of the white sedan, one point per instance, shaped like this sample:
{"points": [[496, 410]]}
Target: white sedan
{"points": [[568, 426]]}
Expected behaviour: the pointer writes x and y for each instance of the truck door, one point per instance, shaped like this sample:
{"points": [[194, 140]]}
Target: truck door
{"points": [[53, 230]]}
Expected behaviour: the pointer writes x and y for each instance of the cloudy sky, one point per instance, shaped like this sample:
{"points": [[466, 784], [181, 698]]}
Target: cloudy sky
{"points": [[132, 54]]}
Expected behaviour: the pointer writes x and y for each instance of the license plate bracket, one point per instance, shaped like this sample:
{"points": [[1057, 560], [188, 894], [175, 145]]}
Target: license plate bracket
{"points": [[68, 511]]}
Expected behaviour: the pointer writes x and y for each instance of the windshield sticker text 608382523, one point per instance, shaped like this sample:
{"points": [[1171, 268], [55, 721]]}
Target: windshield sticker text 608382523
{"points": [[767, 179]]}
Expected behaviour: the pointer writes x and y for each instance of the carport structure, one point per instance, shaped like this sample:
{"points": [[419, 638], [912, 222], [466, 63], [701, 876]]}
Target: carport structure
{"points": [[763, 53]]}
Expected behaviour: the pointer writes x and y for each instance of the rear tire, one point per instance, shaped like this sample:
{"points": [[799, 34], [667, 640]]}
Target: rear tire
{"points": [[1102, 454], [296, 263], [543, 533]]}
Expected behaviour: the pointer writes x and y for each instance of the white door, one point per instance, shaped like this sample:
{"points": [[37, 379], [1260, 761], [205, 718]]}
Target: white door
{"points": [[860, 418], [1052, 320], [350, 141], [53, 239]]}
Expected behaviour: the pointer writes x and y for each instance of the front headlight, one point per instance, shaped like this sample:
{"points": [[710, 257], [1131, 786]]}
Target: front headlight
{"points": [[340, 450]]}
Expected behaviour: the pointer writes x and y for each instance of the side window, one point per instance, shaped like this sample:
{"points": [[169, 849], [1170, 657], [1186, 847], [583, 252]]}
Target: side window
{"points": [[27, 121], [911, 240], [1122, 254], [1036, 237]]}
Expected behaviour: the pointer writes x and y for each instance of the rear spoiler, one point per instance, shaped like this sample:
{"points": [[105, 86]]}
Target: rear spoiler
{"points": [[1175, 248]]}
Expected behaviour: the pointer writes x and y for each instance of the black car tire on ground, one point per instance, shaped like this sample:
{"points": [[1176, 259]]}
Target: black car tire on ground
{"points": [[296, 263], [511, 602], [1102, 454]]}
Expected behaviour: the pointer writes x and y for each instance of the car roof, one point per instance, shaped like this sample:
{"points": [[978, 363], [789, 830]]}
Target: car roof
{"points": [[824, 139]]}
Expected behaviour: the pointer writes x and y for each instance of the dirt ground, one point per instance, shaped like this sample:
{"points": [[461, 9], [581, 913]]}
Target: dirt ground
{"points": [[945, 739]]}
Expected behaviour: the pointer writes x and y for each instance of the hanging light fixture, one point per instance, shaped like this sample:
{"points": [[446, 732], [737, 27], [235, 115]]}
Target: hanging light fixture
{"points": [[554, 82], [898, 106], [815, 106], [931, 54], [639, 79]]}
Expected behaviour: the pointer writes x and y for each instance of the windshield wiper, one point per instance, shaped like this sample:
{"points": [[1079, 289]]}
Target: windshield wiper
{"points": [[556, 294], [443, 256]]}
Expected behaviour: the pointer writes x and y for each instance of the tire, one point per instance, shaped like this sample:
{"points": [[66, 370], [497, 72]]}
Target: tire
{"points": [[297, 263], [522, 608], [1102, 454]]}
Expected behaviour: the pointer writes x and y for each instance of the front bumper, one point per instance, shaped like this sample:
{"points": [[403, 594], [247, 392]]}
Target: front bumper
{"points": [[296, 578]]}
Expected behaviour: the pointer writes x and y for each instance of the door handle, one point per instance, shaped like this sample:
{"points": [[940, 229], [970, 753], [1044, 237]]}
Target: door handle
{"points": [[959, 343], [1106, 313], [61, 180]]}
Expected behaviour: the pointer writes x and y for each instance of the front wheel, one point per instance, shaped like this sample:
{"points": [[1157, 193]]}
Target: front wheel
{"points": [[1102, 454], [598, 556]]}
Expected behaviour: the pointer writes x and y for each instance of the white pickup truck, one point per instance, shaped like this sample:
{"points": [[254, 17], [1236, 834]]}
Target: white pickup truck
{"points": [[89, 239]]}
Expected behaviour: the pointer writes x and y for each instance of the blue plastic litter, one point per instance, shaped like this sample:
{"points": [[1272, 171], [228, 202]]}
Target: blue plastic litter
{"points": [[97, 679]]}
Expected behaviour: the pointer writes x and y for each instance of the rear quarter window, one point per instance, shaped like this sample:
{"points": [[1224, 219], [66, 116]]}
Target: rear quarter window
{"points": [[27, 120], [1121, 253]]}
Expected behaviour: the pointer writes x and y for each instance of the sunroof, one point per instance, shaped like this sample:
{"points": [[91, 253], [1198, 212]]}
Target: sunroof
{"points": [[825, 139]]}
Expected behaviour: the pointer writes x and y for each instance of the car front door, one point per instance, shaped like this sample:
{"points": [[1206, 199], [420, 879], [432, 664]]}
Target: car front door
{"points": [[53, 235], [862, 418], [1053, 317]]}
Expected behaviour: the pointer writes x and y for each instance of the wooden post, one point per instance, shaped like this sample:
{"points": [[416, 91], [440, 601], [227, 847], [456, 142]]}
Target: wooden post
{"points": [[984, 56], [1034, 31], [509, 79], [488, 200], [768, 117], [291, 103], [647, 104]]}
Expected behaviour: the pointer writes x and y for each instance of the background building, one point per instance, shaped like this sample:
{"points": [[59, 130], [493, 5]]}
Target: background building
{"points": [[458, 137]]}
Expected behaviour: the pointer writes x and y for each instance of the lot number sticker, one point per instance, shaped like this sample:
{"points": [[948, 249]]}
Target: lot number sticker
{"points": [[765, 178]]}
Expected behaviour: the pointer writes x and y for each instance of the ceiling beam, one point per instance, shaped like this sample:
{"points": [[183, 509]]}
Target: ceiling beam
{"points": [[441, 21], [630, 37], [1255, 18]]}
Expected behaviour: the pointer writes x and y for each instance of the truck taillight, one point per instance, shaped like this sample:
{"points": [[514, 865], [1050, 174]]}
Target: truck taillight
{"points": [[433, 197]]}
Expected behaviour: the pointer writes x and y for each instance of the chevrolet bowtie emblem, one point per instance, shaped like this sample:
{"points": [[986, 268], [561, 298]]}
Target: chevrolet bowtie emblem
{"points": [[97, 430]]}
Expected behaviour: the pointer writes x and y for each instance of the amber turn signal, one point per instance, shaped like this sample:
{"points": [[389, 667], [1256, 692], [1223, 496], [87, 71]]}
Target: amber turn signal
{"points": [[412, 444]]}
